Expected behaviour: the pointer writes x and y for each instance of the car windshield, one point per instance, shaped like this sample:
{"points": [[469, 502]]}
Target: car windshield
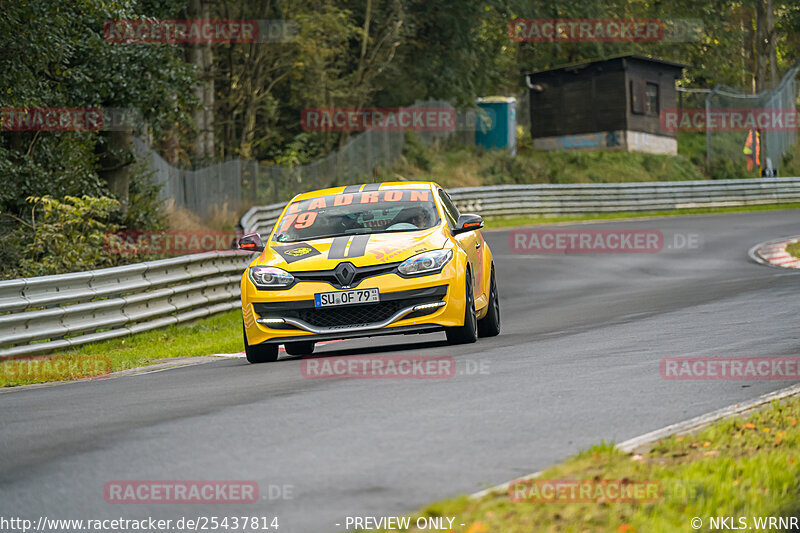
{"points": [[379, 211]]}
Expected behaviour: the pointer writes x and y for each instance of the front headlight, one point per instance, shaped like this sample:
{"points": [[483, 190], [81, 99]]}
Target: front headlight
{"points": [[425, 263], [270, 277]]}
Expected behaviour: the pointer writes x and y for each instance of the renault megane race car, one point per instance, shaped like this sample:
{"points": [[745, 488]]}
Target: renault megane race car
{"points": [[366, 260]]}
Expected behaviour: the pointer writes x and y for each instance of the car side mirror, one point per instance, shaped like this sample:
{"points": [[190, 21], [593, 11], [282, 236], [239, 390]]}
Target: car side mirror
{"points": [[251, 242], [468, 222]]}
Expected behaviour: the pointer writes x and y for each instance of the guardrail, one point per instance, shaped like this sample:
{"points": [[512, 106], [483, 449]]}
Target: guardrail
{"points": [[261, 218], [513, 200], [547, 199], [41, 314]]}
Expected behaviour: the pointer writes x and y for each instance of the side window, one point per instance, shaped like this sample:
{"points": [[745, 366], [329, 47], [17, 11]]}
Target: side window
{"points": [[449, 209]]}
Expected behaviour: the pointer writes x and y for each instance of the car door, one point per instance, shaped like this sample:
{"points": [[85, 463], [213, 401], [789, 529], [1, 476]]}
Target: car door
{"points": [[470, 241]]}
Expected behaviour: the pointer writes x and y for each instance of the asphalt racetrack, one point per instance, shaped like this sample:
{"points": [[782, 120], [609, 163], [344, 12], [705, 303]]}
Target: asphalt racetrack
{"points": [[577, 362]]}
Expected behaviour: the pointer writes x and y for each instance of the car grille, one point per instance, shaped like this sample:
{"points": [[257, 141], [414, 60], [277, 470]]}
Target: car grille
{"points": [[327, 276], [351, 315]]}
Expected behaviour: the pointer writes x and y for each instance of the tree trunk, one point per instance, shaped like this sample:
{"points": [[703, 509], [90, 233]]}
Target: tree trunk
{"points": [[248, 129], [751, 44], [762, 46], [772, 49], [208, 103], [115, 161], [201, 57]]}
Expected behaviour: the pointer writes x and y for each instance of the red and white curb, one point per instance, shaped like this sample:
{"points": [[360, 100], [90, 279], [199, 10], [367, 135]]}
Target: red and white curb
{"points": [[774, 253]]}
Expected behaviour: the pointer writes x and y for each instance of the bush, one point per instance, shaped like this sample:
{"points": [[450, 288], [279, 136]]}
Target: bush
{"points": [[416, 153], [14, 236], [69, 235], [144, 207]]}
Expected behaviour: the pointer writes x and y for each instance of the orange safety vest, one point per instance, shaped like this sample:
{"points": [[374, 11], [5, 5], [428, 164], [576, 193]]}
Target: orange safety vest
{"points": [[751, 145]]}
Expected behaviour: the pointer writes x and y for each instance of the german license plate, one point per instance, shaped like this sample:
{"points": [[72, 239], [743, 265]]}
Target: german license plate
{"points": [[358, 296]]}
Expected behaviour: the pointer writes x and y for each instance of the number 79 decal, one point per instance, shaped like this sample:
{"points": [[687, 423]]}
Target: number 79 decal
{"points": [[301, 221]]}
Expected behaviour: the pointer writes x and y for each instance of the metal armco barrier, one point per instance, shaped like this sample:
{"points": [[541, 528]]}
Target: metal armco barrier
{"points": [[547, 199], [513, 200], [261, 218], [41, 314]]}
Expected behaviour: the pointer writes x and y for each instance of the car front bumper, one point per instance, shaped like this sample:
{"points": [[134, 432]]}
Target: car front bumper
{"points": [[407, 305]]}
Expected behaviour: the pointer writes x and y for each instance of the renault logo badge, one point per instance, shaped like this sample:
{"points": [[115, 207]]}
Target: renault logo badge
{"points": [[345, 273]]}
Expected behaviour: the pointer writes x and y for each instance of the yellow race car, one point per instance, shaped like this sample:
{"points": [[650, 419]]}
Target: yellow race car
{"points": [[366, 260]]}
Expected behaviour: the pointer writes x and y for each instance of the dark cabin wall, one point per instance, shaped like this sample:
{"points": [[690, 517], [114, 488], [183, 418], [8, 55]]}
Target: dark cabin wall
{"points": [[664, 76], [596, 98], [610, 101], [587, 100]]}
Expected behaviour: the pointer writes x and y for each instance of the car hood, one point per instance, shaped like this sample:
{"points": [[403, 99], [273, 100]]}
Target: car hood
{"points": [[361, 250]]}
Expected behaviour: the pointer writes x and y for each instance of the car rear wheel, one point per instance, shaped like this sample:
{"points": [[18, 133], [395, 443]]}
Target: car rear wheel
{"points": [[467, 333], [299, 348], [489, 326], [259, 353]]}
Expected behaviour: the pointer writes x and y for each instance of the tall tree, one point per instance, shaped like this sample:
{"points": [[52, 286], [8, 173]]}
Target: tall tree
{"points": [[202, 57]]}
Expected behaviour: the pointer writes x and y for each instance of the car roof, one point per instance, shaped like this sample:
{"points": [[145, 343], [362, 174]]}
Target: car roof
{"points": [[386, 185]]}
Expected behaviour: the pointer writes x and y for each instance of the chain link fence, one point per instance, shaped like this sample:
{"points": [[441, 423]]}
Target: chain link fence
{"points": [[769, 115], [240, 183]]}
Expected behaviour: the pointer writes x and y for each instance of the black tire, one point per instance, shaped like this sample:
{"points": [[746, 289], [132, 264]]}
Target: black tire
{"points": [[299, 347], [489, 326], [468, 333], [260, 353]]}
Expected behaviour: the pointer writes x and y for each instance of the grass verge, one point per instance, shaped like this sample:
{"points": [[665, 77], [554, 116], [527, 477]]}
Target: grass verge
{"points": [[456, 162], [457, 165], [220, 333], [794, 249], [735, 468]]}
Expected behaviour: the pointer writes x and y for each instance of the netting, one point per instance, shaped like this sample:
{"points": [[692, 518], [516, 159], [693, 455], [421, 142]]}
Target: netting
{"points": [[761, 128], [242, 182]]}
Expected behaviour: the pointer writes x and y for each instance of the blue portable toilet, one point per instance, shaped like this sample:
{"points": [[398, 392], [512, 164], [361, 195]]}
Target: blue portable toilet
{"points": [[496, 123]]}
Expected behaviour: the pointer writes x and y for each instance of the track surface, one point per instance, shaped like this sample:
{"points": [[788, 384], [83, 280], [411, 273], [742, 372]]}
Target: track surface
{"points": [[577, 362]]}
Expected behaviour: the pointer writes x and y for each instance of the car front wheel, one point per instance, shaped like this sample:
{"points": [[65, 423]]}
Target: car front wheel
{"points": [[467, 333], [259, 353], [489, 326]]}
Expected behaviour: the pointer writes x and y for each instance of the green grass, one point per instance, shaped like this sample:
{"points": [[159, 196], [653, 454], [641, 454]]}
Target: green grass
{"points": [[737, 467], [453, 165], [794, 249], [494, 223], [220, 333]]}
